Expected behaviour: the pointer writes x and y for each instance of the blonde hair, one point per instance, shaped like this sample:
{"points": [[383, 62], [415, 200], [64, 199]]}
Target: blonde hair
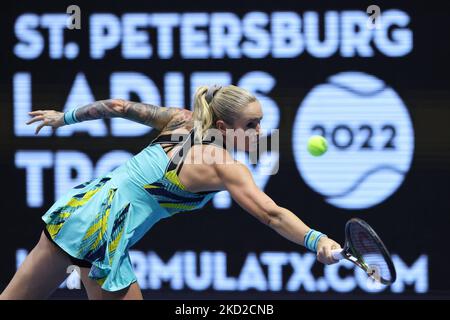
{"points": [[219, 103]]}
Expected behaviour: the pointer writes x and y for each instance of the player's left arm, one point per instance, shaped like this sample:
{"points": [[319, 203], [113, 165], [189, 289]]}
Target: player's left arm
{"points": [[148, 114], [237, 179]]}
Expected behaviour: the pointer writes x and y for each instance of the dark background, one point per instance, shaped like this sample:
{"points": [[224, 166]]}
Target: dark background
{"points": [[412, 222]]}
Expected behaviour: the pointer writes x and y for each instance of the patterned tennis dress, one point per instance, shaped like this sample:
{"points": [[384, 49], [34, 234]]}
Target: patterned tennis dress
{"points": [[98, 221]]}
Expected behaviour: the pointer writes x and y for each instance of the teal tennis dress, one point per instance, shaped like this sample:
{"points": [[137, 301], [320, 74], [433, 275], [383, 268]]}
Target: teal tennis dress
{"points": [[98, 221]]}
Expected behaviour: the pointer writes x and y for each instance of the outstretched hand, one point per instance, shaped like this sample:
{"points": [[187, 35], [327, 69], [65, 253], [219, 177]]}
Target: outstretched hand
{"points": [[49, 118], [324, 248]]}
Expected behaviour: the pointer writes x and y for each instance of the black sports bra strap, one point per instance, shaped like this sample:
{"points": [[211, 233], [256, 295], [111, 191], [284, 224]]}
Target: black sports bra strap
{"points": [[171, 143], [184, 150], [192, 142], [169, 139], [177, 160], [169, 147]]}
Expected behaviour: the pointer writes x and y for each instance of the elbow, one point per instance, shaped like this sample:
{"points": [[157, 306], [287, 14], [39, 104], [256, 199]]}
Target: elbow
{"points": [[272, 216], [118, 106]]}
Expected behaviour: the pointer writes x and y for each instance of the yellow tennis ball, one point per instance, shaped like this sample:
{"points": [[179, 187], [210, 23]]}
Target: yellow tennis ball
{"points": [[317, 146]]}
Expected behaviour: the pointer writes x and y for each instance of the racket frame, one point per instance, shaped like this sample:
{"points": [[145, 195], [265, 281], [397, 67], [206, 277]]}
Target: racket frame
{"points": [[349, 253]]}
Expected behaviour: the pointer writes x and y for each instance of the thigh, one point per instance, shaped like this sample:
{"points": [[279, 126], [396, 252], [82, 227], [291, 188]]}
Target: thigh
{"points": [[93, 289], [95, 292], [133, 292], [43, 270]]}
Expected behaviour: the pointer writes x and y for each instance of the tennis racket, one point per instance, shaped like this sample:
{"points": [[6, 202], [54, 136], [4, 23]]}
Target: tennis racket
{"points": [[364, 248]]}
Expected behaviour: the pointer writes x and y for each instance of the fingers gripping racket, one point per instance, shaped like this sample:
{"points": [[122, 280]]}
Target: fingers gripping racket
{"points": [[364, 248]]}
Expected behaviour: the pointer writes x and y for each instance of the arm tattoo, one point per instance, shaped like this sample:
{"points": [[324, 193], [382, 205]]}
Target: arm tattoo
{"points": [[157, 117], [182, 119], [98, 110], [148, 114]]}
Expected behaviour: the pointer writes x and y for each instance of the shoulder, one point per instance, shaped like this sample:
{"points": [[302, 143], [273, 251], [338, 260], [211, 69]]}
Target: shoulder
{"points": [[233, 172], [181, 118], [182, 113], [211, 155], [220, 158]]}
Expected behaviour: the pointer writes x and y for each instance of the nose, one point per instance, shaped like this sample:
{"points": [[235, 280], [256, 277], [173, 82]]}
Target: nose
{"points": [[258, 129]]}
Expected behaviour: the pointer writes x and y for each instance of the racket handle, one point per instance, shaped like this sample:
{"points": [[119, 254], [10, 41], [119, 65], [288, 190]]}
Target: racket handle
{"points": [[337, 254]]}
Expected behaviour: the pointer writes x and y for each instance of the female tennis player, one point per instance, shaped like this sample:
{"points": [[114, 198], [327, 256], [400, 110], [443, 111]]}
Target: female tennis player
{"points": [[95, 223]]}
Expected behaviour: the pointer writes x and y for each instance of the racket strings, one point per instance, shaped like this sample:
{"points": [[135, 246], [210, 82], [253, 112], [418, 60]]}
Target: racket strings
{"points": [[367, 249]]}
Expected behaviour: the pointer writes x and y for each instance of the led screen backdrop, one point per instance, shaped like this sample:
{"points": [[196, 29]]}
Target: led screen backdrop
{"points": [[376, 86]]}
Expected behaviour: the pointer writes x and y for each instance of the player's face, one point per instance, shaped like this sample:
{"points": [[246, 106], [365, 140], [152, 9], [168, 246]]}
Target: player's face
{"points": [[248, 127]]}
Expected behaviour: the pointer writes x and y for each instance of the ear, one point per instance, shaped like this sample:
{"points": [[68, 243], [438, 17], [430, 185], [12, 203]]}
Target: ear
{"points": [[222, 126]]}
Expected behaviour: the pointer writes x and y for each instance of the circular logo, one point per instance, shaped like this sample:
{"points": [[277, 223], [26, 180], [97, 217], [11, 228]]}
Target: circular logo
{"points": [[370, 137]]}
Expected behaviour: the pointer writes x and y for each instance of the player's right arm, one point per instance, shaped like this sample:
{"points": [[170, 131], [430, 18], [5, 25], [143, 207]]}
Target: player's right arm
{"points": [[160, 118], [238, 180]]}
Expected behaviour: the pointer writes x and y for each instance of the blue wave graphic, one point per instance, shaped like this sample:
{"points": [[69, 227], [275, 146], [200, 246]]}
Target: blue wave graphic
{"points": [[363, 177]]}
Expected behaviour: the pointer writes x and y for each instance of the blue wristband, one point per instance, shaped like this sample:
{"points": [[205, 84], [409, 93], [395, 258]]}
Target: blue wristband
{"points": [[312, 239], [70, 117]]}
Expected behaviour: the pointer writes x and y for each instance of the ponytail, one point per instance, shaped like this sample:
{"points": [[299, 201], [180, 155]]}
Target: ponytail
{"points": [[203, 113]]}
